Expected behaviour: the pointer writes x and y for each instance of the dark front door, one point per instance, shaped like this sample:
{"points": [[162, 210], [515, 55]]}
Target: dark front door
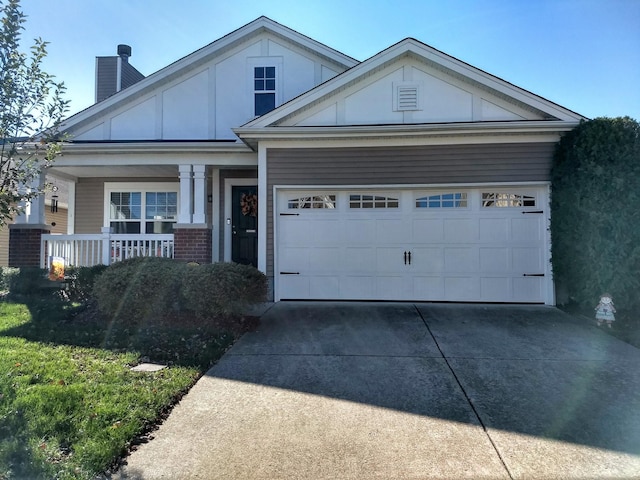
{"points": [[244, 223]]}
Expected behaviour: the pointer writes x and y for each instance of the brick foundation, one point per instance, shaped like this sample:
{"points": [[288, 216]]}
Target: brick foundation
{"points": [[24, 245], [192, 244]]}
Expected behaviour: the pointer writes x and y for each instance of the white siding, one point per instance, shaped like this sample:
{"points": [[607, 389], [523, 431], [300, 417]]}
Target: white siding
{"points": [[207, 101]]}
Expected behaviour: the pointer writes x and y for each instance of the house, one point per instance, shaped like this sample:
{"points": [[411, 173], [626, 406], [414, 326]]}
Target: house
{"points": [[408, 176]]}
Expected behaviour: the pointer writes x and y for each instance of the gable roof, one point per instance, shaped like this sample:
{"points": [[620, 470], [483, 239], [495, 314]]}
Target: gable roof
{"points": [[432, 57], [203, 55]]}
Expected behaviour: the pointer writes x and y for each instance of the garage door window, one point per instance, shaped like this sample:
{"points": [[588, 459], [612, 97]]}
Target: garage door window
{"points": [[316, 201], [372, 201], [444, 200], [501, 200]]}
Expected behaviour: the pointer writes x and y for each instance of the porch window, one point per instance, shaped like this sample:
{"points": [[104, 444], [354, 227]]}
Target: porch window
{"points": [[146, 211]]}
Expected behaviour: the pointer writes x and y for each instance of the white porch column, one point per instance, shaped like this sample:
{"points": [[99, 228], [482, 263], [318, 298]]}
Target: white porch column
{"points": [[33, 213], [262, 208], [184, 215], [71, 208], [216, 227], [106, 245], [199, 194]]}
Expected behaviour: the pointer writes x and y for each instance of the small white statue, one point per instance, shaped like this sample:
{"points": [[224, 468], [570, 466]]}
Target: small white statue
{"points": [[605, 310]]}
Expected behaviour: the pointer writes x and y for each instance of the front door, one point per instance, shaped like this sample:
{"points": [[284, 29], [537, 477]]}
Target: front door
{"points": [[244, 225]]}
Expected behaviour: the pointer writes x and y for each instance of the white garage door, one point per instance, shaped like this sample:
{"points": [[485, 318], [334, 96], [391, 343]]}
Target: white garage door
{"points": [[454, 244]]}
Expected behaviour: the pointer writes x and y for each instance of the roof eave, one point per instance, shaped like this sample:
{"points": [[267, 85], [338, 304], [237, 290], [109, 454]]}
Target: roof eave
{"points": [[143, 146], [252, 136]]}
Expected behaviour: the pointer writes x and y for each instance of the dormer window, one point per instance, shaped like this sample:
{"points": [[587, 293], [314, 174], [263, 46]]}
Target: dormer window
{"points": [[264, 84]]}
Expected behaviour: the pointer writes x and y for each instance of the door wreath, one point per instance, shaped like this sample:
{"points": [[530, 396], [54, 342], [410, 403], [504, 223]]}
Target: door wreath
{"points": [[249, 204]]}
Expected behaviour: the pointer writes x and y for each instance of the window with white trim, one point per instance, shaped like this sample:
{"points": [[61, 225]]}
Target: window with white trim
{"points": [[141, 209], [502, 200], [443, 200], [264, 85], [372, 201]]}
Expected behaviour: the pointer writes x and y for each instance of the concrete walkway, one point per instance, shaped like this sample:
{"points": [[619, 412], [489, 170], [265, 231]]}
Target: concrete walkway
{"points": [[404, 391]]}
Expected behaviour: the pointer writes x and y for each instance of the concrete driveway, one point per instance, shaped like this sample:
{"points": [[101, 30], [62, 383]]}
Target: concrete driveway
{"points": [[407, 391]]}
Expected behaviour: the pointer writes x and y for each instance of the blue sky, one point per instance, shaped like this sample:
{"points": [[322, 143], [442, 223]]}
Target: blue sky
{"points": [[582, 54]]}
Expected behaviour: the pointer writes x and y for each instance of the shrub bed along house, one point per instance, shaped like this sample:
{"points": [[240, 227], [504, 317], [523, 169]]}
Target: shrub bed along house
{"points": [[140, 290]]}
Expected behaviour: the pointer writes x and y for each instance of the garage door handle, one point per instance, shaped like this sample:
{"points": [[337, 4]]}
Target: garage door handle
{"points": [[534, 211], [289, 273], [409, 258], [405, 257], [289, 214], [533, 274]]}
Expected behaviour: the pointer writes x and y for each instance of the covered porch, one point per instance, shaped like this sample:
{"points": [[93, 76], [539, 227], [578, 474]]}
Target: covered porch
{"points": [[173, 199]]}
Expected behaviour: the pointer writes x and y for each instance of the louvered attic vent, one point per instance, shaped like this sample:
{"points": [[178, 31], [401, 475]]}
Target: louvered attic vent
{"points": [[407, 97]]}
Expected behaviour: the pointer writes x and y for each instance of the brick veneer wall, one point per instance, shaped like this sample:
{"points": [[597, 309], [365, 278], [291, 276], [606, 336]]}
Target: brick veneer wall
{"points": [[192, 244], [24, 246]]}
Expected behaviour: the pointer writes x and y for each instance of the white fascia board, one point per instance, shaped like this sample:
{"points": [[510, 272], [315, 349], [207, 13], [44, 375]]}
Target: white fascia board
{"points": [[309, 43], [100, 161], [420, 50], [253, 135], [154, 147], [245, 32]]}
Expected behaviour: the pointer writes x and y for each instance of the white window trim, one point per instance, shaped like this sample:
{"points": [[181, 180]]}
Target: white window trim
{"points": [[143, 187], [253, 62]]}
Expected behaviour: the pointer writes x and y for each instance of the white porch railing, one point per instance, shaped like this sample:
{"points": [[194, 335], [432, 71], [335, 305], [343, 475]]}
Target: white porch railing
{"points": [[104, 248]]}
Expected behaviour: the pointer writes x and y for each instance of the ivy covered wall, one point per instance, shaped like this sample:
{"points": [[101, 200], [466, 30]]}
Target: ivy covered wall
{"points": [[595, 212]]}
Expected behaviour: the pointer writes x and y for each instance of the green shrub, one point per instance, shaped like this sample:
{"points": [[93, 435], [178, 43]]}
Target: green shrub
{"points": [[222, 288], [80, 282], [149, 289], [138, 289], [5, 277], [595, 212], [25, 280]]}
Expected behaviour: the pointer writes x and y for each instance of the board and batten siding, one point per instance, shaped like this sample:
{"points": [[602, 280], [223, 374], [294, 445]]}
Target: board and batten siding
{"points": [[90, 201], [413, 165]]}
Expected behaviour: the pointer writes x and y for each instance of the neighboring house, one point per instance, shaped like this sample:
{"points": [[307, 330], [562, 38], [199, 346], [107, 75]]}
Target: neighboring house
{"points": [[409, 176]]}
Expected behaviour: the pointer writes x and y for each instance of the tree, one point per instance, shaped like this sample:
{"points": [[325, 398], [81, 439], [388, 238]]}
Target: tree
{"points": [[595, 212], [31, 108]]}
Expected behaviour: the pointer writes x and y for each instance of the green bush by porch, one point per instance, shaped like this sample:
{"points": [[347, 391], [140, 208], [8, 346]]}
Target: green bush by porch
{"points": [[138, 290]]}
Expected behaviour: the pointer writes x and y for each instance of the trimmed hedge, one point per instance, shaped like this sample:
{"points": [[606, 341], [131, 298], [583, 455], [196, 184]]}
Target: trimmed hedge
{"points": [[80, 282], [146, 289], [595, 212], [24, 281], [5, 277], [137, 289], [222, 288]]}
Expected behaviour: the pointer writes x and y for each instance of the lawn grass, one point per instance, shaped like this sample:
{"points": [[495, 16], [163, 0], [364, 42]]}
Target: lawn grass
{"points": [[69, 403]]}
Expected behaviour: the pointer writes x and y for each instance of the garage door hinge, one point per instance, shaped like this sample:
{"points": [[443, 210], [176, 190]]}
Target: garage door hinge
{"points": [[533, 211], [289, 214], [533, 274], [289, 273]]}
